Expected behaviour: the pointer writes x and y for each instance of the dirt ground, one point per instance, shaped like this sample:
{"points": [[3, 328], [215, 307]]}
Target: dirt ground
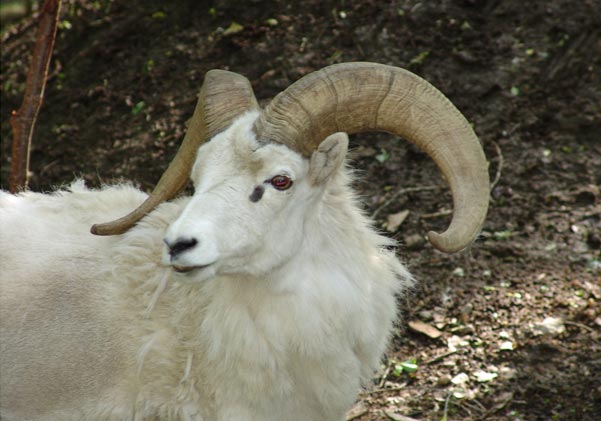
{"points": [[507, 330]]}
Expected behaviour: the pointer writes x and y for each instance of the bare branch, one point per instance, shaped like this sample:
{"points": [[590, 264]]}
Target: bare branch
{"points": [[23, 120], [499, 166], [399, 193]]}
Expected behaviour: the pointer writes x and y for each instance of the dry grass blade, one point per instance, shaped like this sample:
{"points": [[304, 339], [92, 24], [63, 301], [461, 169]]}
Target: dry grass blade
{"points": [[398, 417]]}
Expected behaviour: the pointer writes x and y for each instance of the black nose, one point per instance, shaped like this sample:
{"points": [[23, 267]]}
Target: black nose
{"points": [[180, 245]]}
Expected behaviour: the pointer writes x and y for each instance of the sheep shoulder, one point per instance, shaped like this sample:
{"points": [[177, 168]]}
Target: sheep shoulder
{"points": [[68, 314]]}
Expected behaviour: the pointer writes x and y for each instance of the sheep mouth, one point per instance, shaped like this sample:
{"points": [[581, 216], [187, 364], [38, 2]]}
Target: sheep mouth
{"points": [[187, 269]]}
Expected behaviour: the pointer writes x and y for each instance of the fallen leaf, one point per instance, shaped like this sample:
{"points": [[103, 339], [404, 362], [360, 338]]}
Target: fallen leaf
{"points": [[395, 220], [421, 327], [363, 152], [356, 411], [484, 376], [234, 28], [397, 417], [459, 393]]}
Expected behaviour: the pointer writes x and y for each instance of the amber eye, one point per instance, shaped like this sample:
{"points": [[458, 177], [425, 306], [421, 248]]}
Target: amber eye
{"points": [[281, 182]]}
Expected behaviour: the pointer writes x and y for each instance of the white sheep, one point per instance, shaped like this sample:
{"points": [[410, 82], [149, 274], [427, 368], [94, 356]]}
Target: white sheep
{"points": [[267, 295]]}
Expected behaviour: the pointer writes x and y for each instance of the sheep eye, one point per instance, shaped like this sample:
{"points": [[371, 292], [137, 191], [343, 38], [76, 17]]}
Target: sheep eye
{"points": [[281, 182]]}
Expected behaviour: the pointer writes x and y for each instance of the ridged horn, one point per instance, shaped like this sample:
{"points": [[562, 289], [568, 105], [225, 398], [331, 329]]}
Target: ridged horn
{"points": [[223, 97], [360, 97]]}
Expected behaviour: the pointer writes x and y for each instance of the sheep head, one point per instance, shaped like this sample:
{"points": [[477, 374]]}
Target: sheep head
{"points": [[351, 98], [246, 193]]}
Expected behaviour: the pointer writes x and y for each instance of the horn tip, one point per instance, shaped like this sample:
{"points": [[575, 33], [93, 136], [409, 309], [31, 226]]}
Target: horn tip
{"points": [[108, 228], [443, 243], [94, 229]]}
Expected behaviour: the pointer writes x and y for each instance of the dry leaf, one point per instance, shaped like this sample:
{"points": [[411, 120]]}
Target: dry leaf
{"points": [[358, 410], [425, 328], [395, 220], [397, 417]]}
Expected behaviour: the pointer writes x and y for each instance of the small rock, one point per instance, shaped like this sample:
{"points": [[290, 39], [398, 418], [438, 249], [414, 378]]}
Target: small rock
{"points": [[460, 378], [458, 272], [414, 241], [426, 315], [551, 326], [455, 342], [443, 380], [508, 373]]}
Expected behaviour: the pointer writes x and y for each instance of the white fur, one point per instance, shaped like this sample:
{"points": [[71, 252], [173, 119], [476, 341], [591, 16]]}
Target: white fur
{"points": [[287, 322]]}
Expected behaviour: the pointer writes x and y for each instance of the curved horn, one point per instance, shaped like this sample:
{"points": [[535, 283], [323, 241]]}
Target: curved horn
{"points": [[223, 97], [359, 97]]}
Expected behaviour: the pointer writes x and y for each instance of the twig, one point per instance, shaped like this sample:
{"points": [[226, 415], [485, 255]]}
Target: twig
{"points": [[383, 390], [16, 31], [446, 407], [496, 408], [398, 417], [433, 215], [383, 379], [440, 357], [594, 212], [499, 166], [563, 58], [23, 120], [358, 414], [400, 192], [476, 405], [580, 325]]}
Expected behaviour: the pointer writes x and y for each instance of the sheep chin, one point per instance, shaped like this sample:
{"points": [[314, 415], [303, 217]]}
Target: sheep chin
{"points": [[187, 269]]}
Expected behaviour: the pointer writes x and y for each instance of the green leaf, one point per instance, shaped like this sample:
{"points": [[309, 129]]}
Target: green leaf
{"points": [[419, 59], [383, 156], [502, 235], [136, 109], [64, 24], [149, 66], [234, 28], [409, 367]]}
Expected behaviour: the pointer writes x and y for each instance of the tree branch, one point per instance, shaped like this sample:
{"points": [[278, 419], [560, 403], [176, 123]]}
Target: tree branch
{"points": [[23, 120]]}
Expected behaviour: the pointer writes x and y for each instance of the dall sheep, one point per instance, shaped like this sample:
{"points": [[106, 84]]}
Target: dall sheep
{"points": [[266, 295]]}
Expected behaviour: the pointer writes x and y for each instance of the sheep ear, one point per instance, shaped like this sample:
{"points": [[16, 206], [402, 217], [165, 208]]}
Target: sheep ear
{"points": [[328, 158]]}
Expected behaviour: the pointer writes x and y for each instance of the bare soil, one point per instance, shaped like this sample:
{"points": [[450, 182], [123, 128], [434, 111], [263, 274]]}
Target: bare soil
{"points": [[511, 328]]}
